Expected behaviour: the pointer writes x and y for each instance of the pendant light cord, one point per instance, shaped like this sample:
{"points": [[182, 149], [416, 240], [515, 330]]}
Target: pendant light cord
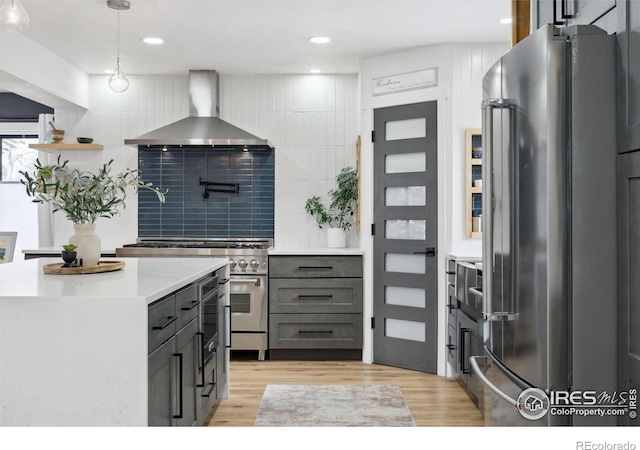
{"points": [[118, 37]]}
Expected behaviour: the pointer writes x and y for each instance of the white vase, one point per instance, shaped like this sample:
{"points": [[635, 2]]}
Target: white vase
{"points": [[336, 238], [88, 243]]}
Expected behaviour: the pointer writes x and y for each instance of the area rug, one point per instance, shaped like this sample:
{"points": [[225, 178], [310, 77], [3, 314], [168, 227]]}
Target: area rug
{"points": [[333, 406]]}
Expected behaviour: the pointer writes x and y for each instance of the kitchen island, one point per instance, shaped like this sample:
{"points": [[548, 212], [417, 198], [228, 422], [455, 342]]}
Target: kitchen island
{"points": [[74, 348]]}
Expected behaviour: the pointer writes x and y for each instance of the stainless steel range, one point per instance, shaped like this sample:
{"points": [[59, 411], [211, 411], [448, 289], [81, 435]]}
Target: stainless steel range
{"points": [[248, 270]]}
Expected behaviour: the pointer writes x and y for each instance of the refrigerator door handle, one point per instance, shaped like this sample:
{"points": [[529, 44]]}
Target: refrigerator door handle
{"points": [[476, 369], [489, 255]]}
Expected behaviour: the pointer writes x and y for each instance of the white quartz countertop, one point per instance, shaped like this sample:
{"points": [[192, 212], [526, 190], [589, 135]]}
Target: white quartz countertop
{"points": [[470, 257], [314, 251], [147, 279], [74, 348], [55, 251]]}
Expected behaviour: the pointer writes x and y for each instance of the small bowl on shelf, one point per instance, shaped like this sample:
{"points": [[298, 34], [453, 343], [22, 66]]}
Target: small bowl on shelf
{"points": [[85, 140], [57, 136]]}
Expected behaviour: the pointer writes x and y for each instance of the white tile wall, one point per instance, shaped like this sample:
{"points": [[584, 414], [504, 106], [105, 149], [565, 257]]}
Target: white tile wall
{"points": [[310, 119], [469, 64]]}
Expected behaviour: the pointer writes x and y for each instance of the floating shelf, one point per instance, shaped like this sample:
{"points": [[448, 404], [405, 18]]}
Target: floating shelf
{"points": [[63, 146], [471, 136]]}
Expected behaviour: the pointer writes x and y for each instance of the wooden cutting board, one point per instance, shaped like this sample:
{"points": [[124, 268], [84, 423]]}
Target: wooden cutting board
{"points": [[103, 266]]}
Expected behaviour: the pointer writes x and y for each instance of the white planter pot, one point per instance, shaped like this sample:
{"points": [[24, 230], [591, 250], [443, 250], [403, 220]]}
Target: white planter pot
{"points": [[336, 238], [88, 243]]}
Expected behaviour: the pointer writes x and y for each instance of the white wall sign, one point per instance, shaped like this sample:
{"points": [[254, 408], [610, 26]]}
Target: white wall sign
{"points": [[405, 81]]}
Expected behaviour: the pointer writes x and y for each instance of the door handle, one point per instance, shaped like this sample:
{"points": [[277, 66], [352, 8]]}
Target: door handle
{"points": [[429, 252]]}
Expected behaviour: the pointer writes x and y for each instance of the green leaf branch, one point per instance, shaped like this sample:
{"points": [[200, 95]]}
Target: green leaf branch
{"points": [[84, 197]]}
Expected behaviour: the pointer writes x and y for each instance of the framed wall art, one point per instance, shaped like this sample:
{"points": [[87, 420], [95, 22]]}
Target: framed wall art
{"points": [[7, 245]]}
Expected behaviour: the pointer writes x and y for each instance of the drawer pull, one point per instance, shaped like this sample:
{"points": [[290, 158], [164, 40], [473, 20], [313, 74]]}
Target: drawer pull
{"points": [[315, 267], [315, 331], [170, 320], [193, 305], [316, 296], [209, 390]]}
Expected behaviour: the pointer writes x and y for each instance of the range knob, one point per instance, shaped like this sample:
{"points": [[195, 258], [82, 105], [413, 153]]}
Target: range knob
{"points": [[232, 264], [254, 264], [242, 263]]}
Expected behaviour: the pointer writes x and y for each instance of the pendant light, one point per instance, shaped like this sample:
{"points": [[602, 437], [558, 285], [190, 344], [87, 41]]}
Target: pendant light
{"points": [[118, 81], [13, 16]]}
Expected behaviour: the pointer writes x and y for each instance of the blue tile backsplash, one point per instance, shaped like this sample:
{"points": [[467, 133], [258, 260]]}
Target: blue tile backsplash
{"points": [[185, 213]]}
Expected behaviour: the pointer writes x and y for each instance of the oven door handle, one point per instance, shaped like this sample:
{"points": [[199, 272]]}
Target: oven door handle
{"points": [[255, 281]]}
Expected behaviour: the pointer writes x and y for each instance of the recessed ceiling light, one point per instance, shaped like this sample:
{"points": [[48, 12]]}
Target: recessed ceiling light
{"points": [[319, 40], [152, 40], [315, 71], [506, 20]]}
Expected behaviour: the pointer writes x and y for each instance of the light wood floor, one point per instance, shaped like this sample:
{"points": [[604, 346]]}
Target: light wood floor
{"points": [[433, 400]]}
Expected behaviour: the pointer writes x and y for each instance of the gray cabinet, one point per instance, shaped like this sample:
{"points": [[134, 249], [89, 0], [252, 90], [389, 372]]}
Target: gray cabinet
{"points": [[464, 324], [173, 359], [224, 343], [621, 17], [315, 307], [469, 344], [575, 12], [629, 274], [161, 382]]}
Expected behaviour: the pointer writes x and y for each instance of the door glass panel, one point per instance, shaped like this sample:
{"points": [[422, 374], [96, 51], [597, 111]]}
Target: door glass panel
{"points": [[405, 129], [405, 162], [403, 263], [404, 296], [405, 329], [406, 196], [405, 229]]}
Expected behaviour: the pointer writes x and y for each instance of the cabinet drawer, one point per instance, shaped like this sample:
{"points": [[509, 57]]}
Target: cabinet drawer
{"points": [[162, 321], [315, 266], [294, 295], [314, 331], [186, 305]]}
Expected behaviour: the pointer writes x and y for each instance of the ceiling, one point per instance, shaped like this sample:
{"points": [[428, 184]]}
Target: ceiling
{"points": [[255, 36]]}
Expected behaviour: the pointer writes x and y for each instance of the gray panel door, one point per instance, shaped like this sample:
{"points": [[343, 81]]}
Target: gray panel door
{"points": [[629, 274], [405, 240]]}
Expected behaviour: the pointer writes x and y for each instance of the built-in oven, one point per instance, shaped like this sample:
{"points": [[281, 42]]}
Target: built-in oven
{"points": [[210, 326], [248, 300]]}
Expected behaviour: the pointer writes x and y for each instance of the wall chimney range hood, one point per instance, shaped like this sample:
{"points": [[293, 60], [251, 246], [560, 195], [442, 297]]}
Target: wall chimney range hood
{"points": [[203, 126]]}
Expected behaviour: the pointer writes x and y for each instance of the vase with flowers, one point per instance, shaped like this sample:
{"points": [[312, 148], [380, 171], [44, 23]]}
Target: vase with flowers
{"points": [[84, 197]]}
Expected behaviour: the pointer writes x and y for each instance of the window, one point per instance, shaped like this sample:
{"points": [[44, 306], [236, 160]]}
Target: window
{"points": [[16, 155]]}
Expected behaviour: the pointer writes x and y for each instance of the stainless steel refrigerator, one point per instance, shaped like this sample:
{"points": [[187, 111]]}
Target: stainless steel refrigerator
{"points": [[549, 240]]}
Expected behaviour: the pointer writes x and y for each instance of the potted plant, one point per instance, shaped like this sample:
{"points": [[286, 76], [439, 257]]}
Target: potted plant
{"points": [[84, 197], [338, 215], [69, 254]]}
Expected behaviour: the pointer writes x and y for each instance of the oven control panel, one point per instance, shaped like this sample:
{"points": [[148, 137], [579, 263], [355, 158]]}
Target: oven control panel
{"points": [[247, 265]]}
